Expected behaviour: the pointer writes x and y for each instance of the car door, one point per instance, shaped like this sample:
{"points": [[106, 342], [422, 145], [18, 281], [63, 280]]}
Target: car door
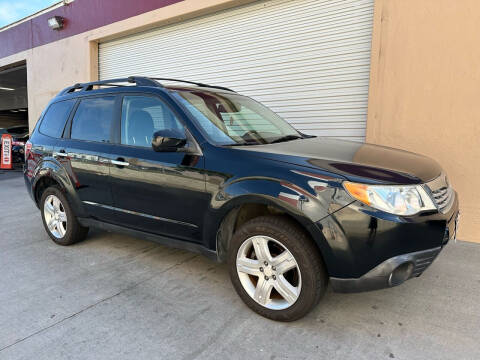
{"points": [[158, 192], [86, 152]]}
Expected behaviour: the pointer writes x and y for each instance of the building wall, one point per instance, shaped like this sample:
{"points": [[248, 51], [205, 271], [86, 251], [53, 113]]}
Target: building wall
{"points": [[424, 82], [57, 64], [425, 88], [79, 17]]}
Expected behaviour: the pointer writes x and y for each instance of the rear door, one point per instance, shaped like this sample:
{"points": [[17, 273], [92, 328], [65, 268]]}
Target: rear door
{"points": [[86, 151], [157, 192]]}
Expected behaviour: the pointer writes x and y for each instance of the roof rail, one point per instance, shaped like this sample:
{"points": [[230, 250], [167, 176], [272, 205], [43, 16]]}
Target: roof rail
{"points": [[137, 80], [194, 83]]}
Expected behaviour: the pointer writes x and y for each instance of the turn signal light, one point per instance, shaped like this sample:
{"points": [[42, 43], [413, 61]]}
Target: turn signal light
{"points": [[358, 191]]}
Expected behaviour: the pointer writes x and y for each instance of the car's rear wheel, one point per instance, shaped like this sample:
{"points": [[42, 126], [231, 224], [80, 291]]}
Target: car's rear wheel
{"points": [[276, 268], [58, 218]]}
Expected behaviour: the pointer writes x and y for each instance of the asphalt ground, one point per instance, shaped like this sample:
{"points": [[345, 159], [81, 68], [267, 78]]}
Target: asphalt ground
{"points": [[117, 297]]}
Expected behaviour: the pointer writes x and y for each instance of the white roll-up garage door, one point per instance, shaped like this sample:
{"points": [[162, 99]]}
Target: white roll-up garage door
{"points": [[308, 60]]}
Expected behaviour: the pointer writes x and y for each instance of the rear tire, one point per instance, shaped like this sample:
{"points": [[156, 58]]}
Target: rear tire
{"points": [[287, 278], [58, 218]]}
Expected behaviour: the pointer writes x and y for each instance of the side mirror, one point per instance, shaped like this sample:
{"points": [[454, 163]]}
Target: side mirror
{"points": [[168, 140]]}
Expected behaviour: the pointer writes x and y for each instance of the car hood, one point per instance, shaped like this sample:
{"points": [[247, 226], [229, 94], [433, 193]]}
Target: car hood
{"points": [[352, 160]]}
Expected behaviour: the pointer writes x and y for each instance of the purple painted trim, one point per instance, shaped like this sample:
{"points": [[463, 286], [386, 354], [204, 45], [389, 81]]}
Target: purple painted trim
{"points": [[80, 16]]}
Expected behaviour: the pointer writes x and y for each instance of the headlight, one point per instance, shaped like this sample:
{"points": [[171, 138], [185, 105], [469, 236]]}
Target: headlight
{"points": [[394, 199]]}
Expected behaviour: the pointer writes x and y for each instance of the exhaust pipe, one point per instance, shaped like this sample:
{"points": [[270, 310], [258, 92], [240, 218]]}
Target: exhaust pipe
{"points": [[401, 273]]}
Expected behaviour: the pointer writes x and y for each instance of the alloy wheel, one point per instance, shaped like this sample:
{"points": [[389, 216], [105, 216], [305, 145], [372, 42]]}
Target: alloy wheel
{"points": [[268, 272], [55, 216]]}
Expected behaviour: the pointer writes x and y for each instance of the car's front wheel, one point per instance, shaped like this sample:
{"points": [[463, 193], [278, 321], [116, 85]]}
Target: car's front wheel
{"points": [[58, 218], [276, 268]]}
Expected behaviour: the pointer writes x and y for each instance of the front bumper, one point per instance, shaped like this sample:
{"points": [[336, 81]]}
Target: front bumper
{"points": [[391, 272], [368, 250]]}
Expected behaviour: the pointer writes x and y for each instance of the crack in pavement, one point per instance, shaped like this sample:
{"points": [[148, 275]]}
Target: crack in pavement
{"points": [[98, 302]]}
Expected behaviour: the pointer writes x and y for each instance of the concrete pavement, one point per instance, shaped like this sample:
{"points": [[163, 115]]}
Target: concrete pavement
{"points": [[116, 297]]}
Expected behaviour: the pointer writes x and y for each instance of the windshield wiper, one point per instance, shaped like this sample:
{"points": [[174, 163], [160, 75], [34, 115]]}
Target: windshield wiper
{"points": [[246, 143], [280, 139], [286, 138]]}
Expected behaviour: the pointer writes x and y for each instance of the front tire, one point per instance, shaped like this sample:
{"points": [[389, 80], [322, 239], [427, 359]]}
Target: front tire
{"points": [[276, 268], [58, 218]]}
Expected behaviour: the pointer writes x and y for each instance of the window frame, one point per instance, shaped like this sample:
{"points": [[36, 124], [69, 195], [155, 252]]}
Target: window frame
{"points": [[45, 112], [118, 127], [68, 128]]}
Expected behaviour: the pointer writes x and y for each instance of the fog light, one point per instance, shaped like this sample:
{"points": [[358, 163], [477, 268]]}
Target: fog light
{"points": [[401, 274]]}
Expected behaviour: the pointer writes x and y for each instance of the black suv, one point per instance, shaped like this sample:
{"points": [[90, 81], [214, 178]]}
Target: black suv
{"points": [[203, 168]]}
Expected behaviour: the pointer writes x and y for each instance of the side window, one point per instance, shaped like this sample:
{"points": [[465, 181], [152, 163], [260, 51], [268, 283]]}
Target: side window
{"points": [[142, 116], [93, 119], [54, 120]]}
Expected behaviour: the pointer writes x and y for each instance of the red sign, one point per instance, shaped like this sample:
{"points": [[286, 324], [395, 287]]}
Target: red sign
{"points": [[6, 159]]}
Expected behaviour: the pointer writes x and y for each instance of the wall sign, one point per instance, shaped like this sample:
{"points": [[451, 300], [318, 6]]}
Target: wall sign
{"points": [[6, 156]]}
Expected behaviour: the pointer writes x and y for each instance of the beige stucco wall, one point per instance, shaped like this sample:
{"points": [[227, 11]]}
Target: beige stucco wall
{"points": [[425, 90]]}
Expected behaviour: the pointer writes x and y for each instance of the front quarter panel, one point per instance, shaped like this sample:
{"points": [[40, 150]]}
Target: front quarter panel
{"points": [[307, 196]]}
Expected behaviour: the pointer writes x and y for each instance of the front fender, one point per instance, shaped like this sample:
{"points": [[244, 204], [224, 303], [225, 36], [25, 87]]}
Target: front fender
{"points": [[306, 206], [305, 197], [283, 194]]}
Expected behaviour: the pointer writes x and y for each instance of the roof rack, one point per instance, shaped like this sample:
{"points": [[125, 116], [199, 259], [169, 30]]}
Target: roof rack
{"points": [[194, 83], [137, 80]]}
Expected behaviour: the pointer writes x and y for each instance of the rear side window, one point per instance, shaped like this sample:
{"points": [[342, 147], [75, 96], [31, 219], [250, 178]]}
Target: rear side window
{"points": [[54, 120], [93, 119]]}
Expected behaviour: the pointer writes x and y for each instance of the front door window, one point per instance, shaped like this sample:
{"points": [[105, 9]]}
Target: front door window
{"points": [[142, 116]]}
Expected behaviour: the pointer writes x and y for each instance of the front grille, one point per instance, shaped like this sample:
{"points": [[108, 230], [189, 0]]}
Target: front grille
{"points": [[424, 261], [443, 197], [442, 193]]}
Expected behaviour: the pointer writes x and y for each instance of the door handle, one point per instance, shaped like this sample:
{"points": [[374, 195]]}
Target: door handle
{"points": [[119, 162]]}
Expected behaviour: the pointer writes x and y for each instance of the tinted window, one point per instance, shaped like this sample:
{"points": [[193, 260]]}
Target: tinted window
{"points": [[142, 116], [93, 119], [54, 120]]}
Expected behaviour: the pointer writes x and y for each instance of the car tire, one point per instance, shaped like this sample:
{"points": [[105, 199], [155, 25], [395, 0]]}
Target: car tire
{"points": [[292, 284], [54, 207]]}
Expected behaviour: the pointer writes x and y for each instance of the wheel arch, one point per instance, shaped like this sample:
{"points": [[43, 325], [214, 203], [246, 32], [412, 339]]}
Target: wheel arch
{"points": [[50, 173], [244, 208]]}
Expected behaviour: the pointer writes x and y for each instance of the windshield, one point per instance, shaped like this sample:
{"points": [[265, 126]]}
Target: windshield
{"points": [[231, 119]]}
